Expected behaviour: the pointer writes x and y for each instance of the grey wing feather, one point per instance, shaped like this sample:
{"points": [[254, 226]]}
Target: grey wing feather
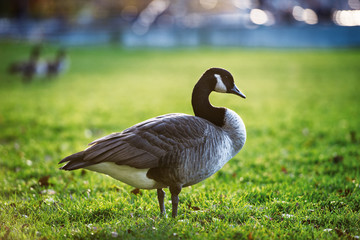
{"points": [[145, 145]]}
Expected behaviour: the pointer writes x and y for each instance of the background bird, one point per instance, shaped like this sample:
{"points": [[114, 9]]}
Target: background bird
{"points": [[58, 65], [30, 67]]}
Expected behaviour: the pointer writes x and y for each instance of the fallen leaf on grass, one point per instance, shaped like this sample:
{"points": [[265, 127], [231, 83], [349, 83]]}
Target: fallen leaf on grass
{"points": [[136, 191], [284, 170], [337, 159], [250, 236], [44, 181], [195, 208]]}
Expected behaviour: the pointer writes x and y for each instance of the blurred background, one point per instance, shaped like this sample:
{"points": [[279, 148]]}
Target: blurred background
{"points": [[72, 71], [165, 23]]}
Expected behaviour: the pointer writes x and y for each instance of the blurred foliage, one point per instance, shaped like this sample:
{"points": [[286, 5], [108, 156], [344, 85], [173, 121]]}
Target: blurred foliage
{"points": [[67, 9]]}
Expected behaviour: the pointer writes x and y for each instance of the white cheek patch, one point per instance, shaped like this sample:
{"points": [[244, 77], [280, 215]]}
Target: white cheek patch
{"points": [[220, 86]]}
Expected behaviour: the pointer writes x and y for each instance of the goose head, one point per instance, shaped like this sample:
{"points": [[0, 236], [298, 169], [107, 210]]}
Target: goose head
{"points": [[219, 80]]}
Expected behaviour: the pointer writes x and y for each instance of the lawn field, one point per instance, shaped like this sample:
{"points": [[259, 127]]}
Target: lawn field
{"points": [[297, 177]]}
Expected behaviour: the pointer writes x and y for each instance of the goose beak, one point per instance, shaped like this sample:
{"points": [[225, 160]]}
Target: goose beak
{"points": [[236, 91]]}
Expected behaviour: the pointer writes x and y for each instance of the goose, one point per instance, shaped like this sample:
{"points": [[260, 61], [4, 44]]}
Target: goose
{"points": [[174, 150], [58, 65], [28, 68]]}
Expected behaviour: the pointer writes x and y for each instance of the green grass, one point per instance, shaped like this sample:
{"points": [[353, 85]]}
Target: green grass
{"points": [[297, 177]]}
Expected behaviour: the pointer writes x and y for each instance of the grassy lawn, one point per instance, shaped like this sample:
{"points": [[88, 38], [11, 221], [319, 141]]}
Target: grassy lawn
{"points": [[297, 177]]}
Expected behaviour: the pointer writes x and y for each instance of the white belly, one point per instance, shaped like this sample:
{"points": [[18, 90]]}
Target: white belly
{"points": [[132, 176]]}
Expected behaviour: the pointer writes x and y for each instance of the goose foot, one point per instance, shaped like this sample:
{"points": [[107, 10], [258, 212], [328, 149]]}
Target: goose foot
{"points": [[161, 196], [175, 190]]}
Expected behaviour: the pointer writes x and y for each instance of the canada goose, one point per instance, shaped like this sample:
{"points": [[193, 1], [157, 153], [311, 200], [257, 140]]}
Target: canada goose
{"points": [[173, 150], [58, 65], [28, 68]]}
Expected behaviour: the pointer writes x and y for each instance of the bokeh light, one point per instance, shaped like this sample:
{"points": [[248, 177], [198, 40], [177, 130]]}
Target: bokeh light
{"points": [[348, 18], [141, 22]]}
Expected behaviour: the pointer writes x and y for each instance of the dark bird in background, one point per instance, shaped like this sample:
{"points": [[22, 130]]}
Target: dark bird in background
{"points": [[28, 68], [174, 150], [34, 67], [58, 65]]}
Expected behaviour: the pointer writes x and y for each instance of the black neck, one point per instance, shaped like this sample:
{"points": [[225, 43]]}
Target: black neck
{"points": [[202, 107]]}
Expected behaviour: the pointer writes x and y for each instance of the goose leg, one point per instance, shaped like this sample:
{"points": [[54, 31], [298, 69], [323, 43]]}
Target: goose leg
{"points": [[161, 196], [175, 190]]}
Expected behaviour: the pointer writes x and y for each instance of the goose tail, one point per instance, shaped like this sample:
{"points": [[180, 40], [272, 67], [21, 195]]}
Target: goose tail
{"points": [[74, 161]]}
